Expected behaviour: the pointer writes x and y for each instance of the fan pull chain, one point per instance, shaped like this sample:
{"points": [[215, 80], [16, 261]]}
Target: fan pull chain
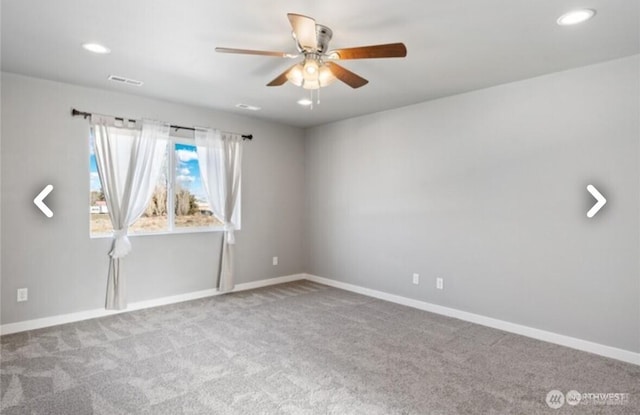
{"points": [[317, 98]]}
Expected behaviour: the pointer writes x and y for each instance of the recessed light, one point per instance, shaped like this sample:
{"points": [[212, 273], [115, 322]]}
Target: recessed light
{"points": [[305, 102], [96, 48], [248, 107], [576, 16]]}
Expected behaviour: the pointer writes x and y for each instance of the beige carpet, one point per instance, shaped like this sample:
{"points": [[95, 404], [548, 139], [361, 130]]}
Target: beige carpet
{"points": [[299, 348]]}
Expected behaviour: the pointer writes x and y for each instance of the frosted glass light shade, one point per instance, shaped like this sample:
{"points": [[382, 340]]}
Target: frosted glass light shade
{"points": [[311, 84], [295, 75], [326, 77]]}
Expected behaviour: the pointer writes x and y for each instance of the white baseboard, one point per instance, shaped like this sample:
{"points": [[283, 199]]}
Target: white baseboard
{"points": [[547, 336], [139, 305], [572, 342]]}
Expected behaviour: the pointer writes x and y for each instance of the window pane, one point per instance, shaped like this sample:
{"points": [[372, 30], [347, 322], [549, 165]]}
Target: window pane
{"points": [[154, 218], [99, 222], [191, 206]]}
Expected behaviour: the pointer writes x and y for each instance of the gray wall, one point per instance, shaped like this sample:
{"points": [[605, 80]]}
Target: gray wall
{"points": [[63, 268], [487, 190]]}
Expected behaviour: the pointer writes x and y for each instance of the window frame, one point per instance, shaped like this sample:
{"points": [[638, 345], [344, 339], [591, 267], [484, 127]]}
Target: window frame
{"points": [[171, 215]]}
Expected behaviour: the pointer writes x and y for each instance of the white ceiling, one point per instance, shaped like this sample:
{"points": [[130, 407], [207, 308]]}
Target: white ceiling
{"points": [[453, 46]]}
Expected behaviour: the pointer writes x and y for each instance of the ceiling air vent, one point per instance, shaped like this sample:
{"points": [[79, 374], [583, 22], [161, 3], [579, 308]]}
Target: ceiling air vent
{"points": [[123, 80], [248, 107]]}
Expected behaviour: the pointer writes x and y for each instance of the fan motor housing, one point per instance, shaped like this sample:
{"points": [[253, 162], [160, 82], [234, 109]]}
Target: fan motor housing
{"points": [[324, 35]]}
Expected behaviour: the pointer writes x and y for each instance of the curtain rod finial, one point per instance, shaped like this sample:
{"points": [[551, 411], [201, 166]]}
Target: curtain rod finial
{"points": [[75, 113]]}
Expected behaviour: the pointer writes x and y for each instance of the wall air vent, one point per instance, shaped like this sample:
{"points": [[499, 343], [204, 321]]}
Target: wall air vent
{"points": [[123, 80]]}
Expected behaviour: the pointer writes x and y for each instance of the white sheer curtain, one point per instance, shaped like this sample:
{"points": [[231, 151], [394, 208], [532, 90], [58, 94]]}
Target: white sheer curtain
{"points": [[129, 160], [220, 160]]}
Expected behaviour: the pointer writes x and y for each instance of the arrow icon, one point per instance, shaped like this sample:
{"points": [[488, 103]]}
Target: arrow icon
{"points": [[600, 201], [38, 201]]}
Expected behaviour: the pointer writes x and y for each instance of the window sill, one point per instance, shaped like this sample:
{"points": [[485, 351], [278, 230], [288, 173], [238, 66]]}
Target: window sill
{"points": [[174, 232]]}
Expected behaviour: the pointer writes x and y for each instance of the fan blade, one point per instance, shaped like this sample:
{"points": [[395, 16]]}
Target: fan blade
{"points": [[304, 29], [391, 50], [346, 76], [282, 78], [256, 52]]}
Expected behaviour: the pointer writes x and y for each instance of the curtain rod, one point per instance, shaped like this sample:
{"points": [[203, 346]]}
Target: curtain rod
{"points": [[85, 115]]}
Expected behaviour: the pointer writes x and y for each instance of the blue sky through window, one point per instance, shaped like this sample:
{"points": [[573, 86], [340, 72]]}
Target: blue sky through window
{"points": [[187, 173]]}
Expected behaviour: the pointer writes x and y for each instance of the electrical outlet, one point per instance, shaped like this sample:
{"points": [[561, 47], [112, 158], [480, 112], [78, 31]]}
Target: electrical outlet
{"points": [[440, 283], [416, 279], [23, 294], [275, 260]]}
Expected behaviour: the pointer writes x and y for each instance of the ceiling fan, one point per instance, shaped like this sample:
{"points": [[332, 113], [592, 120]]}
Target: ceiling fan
{"points": [[318, 68]]}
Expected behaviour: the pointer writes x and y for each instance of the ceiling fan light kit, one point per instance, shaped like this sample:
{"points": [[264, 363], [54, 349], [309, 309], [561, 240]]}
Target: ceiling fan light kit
{"points": [[312, 73], [318, 68]]}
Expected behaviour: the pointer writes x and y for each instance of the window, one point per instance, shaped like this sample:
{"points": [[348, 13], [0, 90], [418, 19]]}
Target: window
{"points": [[179, 186]]}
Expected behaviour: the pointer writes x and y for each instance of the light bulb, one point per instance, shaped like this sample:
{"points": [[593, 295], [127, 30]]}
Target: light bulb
{"points": [[310, 70]]}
